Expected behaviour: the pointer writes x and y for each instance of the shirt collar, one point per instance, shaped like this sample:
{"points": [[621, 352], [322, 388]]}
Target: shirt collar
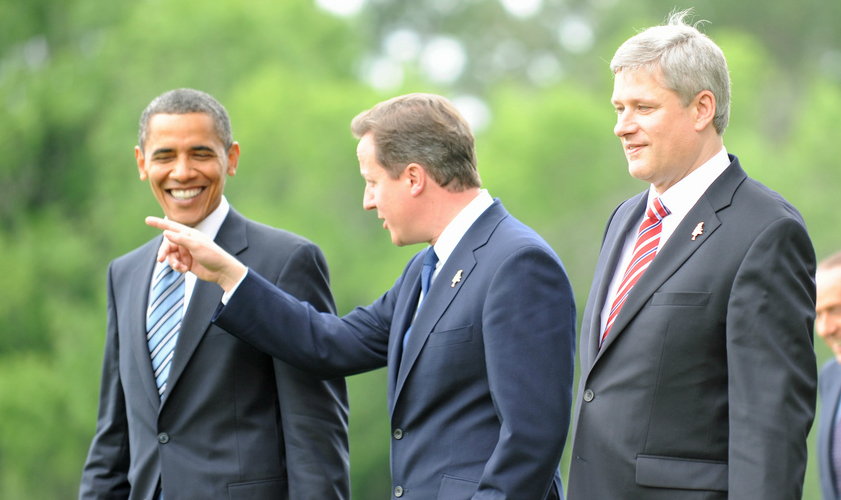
{"points": [[210, 225], [456, 229], [681, 197]]}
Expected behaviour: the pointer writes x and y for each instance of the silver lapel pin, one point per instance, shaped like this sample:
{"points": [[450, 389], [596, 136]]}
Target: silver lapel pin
{"points": [[456, 278]]}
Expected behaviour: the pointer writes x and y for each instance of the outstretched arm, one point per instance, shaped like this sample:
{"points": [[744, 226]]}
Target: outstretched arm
{"points": [[187, 249]]}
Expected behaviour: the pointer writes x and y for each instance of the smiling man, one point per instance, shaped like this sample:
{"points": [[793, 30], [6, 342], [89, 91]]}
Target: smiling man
{"points": [[698, 373], [187, 410], [477, 332]]}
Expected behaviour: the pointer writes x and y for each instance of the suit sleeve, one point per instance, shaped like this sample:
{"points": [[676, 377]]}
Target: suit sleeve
{"points": [[319, 343], [105, 474], [314, 413], [771, 364], [529, 334]]}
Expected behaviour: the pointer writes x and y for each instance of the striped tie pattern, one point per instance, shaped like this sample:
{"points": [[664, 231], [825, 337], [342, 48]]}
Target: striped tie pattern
{"points": [[163, 321], [648, 241]]}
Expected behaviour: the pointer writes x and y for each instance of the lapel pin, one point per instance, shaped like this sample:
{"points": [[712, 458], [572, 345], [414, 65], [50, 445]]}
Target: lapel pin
{"points": [[698, 231], [456, 278]]}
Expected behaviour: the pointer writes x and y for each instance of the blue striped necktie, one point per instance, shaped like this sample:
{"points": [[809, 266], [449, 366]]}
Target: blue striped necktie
{"points": [[163, 321]]}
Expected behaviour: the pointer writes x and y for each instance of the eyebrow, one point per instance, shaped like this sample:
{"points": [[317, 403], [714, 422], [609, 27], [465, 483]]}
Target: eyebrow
{"points": [[170, 150]]}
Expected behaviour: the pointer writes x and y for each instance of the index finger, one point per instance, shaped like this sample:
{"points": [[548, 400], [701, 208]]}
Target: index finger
{"points": [[166, 225]]}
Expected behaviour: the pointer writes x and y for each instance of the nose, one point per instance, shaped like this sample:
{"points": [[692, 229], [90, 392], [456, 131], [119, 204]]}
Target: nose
{"points": [[824, 325], [368, 199], [820, 325], [625, 124], [182, 170]]}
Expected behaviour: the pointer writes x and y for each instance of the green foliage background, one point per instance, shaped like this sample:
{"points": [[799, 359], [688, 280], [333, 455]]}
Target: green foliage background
{"points": [[75, 75]]}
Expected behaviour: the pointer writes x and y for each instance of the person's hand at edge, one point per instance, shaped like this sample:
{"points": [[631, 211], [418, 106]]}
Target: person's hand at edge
{"points": [[187, 249]]}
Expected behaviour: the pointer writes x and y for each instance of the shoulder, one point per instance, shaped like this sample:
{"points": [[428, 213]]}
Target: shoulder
{"points": [[130, 260], [272, 251], [259, 232], [239, 232], [510, 234], [772, 203], [749, 199]]}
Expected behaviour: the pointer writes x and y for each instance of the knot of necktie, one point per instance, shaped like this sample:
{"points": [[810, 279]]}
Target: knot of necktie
{"points": [[429, 261], [647, 244], [657, 210]]}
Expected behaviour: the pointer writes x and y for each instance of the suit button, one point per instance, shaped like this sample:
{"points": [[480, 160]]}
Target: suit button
{"points": [[398, 491], [163, 438], [398, 434], [589, 395]]}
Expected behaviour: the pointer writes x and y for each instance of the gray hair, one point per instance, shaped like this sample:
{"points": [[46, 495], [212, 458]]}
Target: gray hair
{"points": [[689, 61], [830, 262], [425, 129], [183, 101]]}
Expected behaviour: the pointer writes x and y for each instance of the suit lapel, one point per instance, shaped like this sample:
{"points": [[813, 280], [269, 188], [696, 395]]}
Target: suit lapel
{"points": [[627, 221], [204, 300], [401, 321], [138, 293], [445, 288], [679, 248], [829, 405]]}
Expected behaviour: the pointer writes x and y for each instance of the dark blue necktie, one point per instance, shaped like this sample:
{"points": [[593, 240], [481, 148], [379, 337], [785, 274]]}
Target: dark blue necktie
{"points": [[429, 261]]}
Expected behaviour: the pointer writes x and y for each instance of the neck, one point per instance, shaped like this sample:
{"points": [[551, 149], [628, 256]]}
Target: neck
{"points": [[446, 207]]}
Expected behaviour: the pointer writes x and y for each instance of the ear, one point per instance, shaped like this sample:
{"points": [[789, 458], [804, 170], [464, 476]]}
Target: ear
{"points": [[704, 109], [233, 158], [417, 178], [141, 163]]}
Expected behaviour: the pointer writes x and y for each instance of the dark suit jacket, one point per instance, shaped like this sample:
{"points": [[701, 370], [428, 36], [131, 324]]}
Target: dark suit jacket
{"points": [[480, 399], [829, 388], [234, 423], [705, 386]]}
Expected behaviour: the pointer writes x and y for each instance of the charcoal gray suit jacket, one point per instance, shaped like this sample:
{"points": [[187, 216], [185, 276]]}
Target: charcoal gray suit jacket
{"points": [[705, 386], [233, 423]]}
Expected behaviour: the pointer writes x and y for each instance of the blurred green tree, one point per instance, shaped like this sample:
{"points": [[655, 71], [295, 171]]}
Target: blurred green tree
{"points": [[74, 77]]}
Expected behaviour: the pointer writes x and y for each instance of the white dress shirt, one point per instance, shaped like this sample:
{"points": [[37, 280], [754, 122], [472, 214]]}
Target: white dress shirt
{"points": [[458, 227], [209, 226], [679, 199]]}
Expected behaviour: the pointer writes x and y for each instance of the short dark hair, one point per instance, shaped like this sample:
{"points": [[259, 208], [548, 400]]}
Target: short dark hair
{"points": [[183, 101], [426, 129]]}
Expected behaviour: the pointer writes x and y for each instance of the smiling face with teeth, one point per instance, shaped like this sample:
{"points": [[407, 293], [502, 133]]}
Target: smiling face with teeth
{"points": [[186, 164]]}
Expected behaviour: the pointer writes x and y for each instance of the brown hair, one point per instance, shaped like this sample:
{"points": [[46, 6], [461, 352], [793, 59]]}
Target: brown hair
{"points": [[425, 129]]}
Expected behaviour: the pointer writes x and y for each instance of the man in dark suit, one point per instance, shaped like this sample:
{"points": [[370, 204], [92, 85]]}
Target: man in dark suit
{"points": [[215, 418], [698, 373], [828, 327], [479, 362]]}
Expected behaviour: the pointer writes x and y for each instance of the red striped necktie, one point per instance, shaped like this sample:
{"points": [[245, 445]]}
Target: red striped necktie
{"points": [[648, 241]]}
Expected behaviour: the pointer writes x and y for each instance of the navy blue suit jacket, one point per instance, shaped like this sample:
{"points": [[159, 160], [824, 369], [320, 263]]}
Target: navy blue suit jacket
{"points": [[480, 399], [233, 423], [829, 389]]}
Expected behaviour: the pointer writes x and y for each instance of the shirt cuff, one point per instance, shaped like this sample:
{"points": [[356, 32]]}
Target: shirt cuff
{"points": [[227, 295]]}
